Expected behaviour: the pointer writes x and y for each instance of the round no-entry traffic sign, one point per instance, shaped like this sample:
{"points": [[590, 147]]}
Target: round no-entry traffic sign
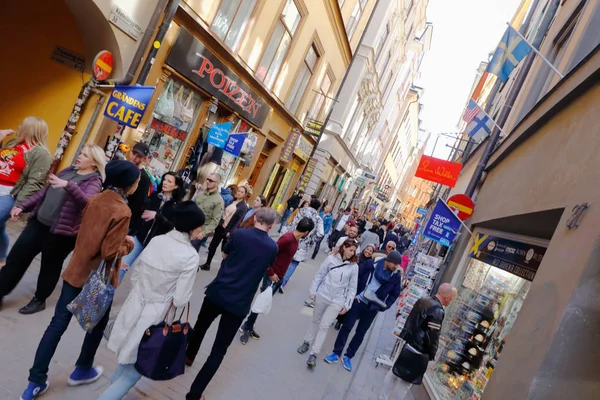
{"points": [[103, 65], [462, 204]]}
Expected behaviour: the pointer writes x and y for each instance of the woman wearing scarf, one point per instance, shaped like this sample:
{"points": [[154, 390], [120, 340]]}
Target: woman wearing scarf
{"points": [[379, 294]]}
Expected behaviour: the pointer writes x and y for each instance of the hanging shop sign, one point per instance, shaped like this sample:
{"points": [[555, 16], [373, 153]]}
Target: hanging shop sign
{"points": [[290, 146], [303, 148], [517, 258], [443, 225], [369, 176], [218, 134], [421, 210], [103, 65], [437, 170], [127, 104], [310, 169], [167, 129], [234, 144], [462, 205], [313, 127], [381, 196], [192, 59], [360, 182]]}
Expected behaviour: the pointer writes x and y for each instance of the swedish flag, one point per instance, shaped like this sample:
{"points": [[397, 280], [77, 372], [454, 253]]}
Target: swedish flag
{"points": [[511, 50]]}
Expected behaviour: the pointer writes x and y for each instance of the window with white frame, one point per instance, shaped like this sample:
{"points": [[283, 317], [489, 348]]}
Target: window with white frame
{"points": [[231, 20], [382, 40], [357, 12], [307, 68], [322, 101], [281, 38]]}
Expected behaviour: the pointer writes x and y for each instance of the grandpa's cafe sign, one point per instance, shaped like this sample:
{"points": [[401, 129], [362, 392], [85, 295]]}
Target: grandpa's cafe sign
{"points": [[192, 59], [127, 104]]}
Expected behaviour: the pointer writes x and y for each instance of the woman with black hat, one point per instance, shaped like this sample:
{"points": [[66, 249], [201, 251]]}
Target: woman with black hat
{"points": [[102, 236], [161, 280]]}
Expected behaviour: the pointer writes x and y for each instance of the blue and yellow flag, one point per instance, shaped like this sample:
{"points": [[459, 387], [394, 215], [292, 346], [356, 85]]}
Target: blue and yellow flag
{"points": [[511, 50]]}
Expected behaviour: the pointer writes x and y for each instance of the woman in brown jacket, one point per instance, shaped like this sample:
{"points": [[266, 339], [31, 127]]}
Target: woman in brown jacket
{"points": [[102, 236]]}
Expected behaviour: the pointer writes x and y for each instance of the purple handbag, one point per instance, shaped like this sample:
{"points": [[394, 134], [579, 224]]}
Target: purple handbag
{"points": [[161, 355]]}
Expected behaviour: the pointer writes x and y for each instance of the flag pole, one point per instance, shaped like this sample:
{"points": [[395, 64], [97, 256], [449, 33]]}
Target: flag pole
{"points": [[536, 51], [486, 114]]}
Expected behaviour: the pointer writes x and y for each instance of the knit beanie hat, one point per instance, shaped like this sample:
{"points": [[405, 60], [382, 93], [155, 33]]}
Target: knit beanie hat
{"points": [[187, 216], [121, 173], [394, 257]]}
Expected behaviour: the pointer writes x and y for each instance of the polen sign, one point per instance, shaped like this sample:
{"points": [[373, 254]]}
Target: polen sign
{"points": [[439, 171], [192, 59]]}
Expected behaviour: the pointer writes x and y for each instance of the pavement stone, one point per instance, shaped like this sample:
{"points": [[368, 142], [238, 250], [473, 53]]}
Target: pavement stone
{"points": [[266, 369]]}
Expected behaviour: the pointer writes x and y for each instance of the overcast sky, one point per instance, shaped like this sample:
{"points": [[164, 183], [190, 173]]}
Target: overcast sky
{"points": [[464, 33]]}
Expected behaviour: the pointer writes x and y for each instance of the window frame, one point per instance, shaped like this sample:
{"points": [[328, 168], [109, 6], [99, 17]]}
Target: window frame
{"points": [[293, 95], [359, 7], [239, 40], [322, 97]]}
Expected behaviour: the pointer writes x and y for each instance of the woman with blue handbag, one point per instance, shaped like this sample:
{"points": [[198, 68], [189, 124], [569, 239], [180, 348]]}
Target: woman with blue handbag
{"points": [[102, 238], [161, 280]]}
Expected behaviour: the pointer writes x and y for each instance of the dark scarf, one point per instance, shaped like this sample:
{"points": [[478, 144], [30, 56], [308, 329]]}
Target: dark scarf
{"points": [[381, 274], [118, 191]]}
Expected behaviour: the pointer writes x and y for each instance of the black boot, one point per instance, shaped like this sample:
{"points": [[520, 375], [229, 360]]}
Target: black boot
{"points": [[205, 267], [34, 306], [338, 325]]}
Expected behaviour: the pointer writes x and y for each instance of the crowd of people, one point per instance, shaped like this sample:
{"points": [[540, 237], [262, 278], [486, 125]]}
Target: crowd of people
{"points": [[113, 220]]}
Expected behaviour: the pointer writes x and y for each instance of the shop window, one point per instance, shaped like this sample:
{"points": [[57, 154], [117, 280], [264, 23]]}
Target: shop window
{"points": [[231, 20], [302, 79], [167, 133], [357, 12], [279, 44], [322, 101]]}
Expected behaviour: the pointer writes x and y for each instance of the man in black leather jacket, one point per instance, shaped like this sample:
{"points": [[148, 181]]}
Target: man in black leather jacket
{"points": [[421, 333]]}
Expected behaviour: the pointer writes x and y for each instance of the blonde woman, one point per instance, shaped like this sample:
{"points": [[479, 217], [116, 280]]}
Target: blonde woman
{"points": [[24, 164], [56, 213]]}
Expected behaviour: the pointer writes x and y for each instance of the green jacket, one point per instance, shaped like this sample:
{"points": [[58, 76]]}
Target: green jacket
{"points": [[212, 206], [33, 178]]}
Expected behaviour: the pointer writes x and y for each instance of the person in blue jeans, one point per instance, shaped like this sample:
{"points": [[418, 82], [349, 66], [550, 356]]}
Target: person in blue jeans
{"points": [[327, 223], [380, 293]]}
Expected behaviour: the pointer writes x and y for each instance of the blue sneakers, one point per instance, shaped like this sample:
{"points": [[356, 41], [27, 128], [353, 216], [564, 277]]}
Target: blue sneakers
{"points": [[347, 363], [83, 376], [332, 358], [34, 390]]}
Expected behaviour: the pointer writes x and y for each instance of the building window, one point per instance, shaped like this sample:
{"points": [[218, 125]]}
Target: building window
{"points": [[357, 12], [231, 20], [382, 41], [270, 63], [301, 82], [322, 102], [385, 64]]}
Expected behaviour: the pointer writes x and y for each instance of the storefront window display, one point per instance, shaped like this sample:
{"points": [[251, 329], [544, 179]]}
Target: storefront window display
{"points": [[478, 321], [168, 130]]}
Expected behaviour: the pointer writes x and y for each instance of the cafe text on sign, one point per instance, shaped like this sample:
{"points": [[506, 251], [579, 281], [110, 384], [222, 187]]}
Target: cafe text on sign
{"points": [[439, 171], [127, 104]]}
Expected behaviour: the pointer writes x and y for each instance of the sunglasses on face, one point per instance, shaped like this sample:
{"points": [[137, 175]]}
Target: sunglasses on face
{"points": [[391, 247], [210, 180]]}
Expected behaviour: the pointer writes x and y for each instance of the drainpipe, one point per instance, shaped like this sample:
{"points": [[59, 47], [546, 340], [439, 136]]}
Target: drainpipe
{"points": [[88, 129]]}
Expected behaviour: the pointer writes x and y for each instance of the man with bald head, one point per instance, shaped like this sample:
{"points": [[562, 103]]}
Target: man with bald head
{"points": [[211, 203], [421, 334]]}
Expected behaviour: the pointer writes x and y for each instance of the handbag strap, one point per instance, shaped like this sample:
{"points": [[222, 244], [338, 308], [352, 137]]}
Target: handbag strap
{"points": [[187, 317]]}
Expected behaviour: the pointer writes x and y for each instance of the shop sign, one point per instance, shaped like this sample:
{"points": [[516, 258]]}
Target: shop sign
{"points": [[373, 206], [443, 225], [303, 148], [360, 182], [462, 205], [234, 144], [369, 176], [381, 196], [290, 146], [310, 169], [192, 59], [438, 171], [127, 104], [218, 134], [68, 58], [119, 18], [520, 259], [168, 129], [313, 127], [421, 210]]}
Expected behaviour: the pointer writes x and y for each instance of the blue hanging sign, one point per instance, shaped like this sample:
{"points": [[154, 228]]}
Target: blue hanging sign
{"points": [[443, 225], [234, 144], [127, 104], [421, 210], [218, 134]]}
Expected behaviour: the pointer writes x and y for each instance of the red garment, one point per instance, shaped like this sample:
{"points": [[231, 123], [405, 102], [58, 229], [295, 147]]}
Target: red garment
{"points": [[288, 245], [12, 164]]}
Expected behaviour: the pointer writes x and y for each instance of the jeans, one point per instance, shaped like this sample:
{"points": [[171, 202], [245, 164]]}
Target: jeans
{"points": [[124, 378], [266, 282], [317, 248], [324, 314], [130, 258], [290, 272], [36, 238], [359, 311], [220, 235], [390, 382], [51, 338], [286, 215], [197, 244], [228, 326], [6, 204]]}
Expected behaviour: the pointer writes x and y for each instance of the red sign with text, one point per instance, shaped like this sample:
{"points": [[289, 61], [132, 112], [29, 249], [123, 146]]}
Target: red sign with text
{"points": [[439, 171]]}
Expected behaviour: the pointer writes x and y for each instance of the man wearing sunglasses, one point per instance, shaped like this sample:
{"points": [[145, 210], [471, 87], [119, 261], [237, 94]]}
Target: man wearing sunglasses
{"points": [[383, 252], [211, 203]]}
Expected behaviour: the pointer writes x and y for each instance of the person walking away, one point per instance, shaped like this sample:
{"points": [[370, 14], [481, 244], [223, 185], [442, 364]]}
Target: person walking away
{"points": [[333, 291], [137, 200], [53, 225], [227, 194], [391, 235], [378, 295], [338, 232], [157, 216], [248, 221], [327, 223], [102, 236], [247, 256], [292, 204], [160, 279], [382, 231], [403, 243], [287, 246], [370, 237], [24, 165], [307, 243], [232, 216], [212, 205], [421, 334]]}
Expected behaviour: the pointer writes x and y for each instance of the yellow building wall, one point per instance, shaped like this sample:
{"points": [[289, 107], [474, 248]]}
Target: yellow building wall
{"points": [[33, 84]]}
